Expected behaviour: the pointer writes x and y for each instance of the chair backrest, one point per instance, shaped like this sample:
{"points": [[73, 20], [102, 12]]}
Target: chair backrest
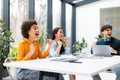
{"points": [[11, 71]]}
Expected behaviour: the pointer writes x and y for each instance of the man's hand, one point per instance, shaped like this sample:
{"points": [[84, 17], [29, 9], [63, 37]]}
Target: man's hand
{"points": [[113, 51]]}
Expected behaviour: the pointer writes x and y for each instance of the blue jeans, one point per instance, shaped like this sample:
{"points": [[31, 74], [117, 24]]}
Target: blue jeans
{"points": [[26, 74], [116, 70], [96, 77]]}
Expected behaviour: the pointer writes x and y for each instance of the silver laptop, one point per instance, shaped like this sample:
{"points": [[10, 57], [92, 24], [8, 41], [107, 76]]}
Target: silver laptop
{"points": [[101, 50]]}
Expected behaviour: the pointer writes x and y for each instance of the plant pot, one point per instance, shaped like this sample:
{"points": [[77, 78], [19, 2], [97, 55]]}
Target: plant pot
{"points": [[79, 55], [76, 53]]}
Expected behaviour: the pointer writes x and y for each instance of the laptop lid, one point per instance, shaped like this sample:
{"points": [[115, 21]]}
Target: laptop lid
{"points": [[101, 50]]}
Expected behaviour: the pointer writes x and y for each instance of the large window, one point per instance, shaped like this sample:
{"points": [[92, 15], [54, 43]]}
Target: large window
{"points": [[18, 13], [41, 18], [56, 13], [41, 14], [0, 13], [0, 9], [68, 21]]}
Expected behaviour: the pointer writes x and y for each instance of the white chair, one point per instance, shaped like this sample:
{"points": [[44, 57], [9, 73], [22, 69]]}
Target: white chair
{"points": [[11, 71]]}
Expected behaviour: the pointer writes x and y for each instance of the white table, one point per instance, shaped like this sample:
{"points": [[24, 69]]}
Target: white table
{"points": [[85, 70]]}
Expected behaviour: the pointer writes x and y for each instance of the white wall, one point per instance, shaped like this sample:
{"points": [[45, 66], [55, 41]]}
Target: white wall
{"points": [[88, 20]]}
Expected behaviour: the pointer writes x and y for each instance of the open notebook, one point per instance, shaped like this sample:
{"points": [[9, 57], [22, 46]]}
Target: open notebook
{"points": [[65, 59], [101, 50]]}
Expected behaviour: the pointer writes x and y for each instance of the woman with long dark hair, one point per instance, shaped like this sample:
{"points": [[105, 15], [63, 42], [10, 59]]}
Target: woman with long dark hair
{"points": [[59, 43]]}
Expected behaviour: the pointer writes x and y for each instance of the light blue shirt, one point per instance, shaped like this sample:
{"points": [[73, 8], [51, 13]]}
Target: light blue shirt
{"points": [[54, 47]]}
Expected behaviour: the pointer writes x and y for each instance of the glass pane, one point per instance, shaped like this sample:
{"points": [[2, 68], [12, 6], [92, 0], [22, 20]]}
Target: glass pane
{"points": [[56, 13], [1, 9], [41, 13], [68, 21], [18, 13], [41, 18]]}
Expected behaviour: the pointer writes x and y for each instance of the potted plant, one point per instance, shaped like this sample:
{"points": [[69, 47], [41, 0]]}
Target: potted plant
{"points": [[5, 39], [99, 36], [79, 45]]}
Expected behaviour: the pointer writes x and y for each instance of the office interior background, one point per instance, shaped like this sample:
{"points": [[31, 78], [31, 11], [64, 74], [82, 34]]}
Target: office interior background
{"points": [[77, 22]]}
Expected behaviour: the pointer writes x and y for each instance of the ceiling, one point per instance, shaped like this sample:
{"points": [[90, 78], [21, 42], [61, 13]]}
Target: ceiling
{"points": [[78, 3]]}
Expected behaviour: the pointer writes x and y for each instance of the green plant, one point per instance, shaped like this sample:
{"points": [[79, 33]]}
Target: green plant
{"points": [[79, 45], [99, 37], [13, 53], [5, 39]]}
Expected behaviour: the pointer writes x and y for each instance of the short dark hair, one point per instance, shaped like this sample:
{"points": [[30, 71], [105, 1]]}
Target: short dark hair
{"points": [[25, 27], [104, 27]]}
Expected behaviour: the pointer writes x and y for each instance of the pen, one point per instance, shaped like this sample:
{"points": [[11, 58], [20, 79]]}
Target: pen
{"points": [[74, 62]]}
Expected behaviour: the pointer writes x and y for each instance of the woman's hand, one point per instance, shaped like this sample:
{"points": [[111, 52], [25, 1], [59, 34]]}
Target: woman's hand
{"points": [[59, 47], [65, 40], [32, 50], [59, 43], [49, 41]]}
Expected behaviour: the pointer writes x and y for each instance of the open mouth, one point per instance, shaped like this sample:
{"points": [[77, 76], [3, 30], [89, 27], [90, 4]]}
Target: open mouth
{"points": [[36, 34], [109, 34]]}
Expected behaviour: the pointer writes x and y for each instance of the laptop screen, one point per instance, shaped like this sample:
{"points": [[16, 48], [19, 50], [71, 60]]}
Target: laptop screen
{"points": [[101, 50]]}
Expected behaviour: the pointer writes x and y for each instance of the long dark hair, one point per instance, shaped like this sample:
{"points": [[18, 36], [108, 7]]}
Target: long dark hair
{"points": [[54, 31]]}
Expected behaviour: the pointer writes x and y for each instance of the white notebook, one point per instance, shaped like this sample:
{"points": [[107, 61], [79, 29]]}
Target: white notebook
{"points": [[101, 50]]}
